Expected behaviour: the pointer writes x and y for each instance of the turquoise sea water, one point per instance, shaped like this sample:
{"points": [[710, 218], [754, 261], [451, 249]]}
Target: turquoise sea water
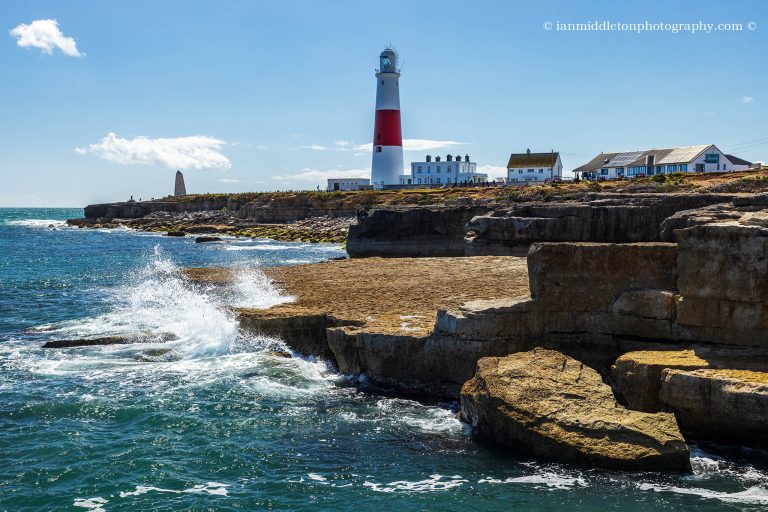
{"points": [[219, 424]]}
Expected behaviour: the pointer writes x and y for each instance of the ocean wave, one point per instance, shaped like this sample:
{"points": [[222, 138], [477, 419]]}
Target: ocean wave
{"points": [[422, 418], [433, 483], [755, 495], [551, 480], [264, 247], [38, 223], [160, 300], [707, 465], [213, 488], [92, 504]]}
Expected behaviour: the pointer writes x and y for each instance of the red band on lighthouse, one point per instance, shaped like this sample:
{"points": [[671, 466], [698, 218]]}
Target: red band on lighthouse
{"points": [[386, 131]]}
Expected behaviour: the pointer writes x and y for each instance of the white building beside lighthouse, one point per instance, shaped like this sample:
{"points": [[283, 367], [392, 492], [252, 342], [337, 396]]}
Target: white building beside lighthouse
{"points": [[448, 172], [387, 160]]}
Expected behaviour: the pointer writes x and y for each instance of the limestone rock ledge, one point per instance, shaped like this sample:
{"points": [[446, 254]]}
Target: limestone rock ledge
{"points": [[729, 405], [716, 393], [552, 406]]}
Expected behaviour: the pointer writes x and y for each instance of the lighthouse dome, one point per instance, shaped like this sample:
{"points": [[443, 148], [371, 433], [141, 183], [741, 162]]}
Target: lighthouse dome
{"points": [[388, 61]]}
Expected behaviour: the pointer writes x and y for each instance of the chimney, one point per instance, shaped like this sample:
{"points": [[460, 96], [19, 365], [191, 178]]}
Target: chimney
{"points": [[429, 158], [437, 158], [466, 158], [528, 151], [449, 158]]}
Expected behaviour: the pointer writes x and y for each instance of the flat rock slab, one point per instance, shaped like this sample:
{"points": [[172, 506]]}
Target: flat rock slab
{"points": [[111, 340], [723, 404], [717, 393], [549, 405], [383, 295], [637, 375]]}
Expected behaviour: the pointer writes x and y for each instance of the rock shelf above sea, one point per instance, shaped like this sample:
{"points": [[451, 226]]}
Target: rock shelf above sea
{"points": [[653, 306], [429, 325]]}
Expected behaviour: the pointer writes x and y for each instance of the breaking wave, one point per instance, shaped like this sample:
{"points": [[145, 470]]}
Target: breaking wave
{"points": [[38, 223], [160, 303]]}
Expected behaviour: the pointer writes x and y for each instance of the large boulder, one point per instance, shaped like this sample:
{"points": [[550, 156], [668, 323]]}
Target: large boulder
{"points": [[552, 406]]}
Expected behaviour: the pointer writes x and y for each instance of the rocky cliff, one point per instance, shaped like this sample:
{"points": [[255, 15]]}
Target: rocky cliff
{"points": [[597, 218], [494, 228], [412, 232]]}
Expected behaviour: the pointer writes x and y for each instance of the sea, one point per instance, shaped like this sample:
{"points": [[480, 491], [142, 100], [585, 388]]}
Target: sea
{"points": [[221, 422]]}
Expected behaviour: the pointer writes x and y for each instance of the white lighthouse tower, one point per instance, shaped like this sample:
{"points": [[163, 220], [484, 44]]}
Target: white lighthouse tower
{"points": [[387, 164]]}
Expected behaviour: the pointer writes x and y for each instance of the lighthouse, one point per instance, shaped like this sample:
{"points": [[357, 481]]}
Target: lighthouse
{"points": [[387, 162]]}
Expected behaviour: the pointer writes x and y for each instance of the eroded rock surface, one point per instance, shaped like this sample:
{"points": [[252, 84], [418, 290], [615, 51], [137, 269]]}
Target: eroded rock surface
{"points": [[717, 393], [721, 404], [616, 218], [552, 406]]}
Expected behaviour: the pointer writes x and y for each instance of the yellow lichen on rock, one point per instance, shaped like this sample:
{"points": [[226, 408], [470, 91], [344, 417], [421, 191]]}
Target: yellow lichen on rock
{"points": [[551, 405]]}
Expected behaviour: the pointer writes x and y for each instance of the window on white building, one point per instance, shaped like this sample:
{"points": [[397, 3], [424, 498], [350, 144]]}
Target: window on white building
{"points": [[438, 180], [530, 170], [520, 171], [438, 168], [541, 171]]}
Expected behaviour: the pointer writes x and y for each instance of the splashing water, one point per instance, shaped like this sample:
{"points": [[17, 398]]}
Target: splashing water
{"points": [[160, 301]]}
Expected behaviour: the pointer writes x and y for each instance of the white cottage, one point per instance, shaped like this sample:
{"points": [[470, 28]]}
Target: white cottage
{"points": [[534, 167]]}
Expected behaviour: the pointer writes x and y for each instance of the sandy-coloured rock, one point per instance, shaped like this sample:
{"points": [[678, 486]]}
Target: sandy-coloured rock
{"points": [[637, 375], [552, 406], [722, 404]]}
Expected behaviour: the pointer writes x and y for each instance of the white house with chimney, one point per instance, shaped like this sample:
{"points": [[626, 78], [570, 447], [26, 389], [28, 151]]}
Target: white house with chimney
{"points": [[531, 167], [450, 171]]}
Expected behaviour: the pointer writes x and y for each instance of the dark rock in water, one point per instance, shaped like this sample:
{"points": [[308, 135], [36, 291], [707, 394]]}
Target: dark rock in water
{"points": [[175, 233], [206, 239], [107, 340], [111, 340], [156, 354], [280, 353]]}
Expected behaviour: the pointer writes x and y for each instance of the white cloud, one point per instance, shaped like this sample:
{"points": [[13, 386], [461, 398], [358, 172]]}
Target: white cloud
{"points": [[229, 180], [316, 176], [343, 143], [314, 147], [747, 99], [194, 152], [46, 35], [493, 171], [417, 145]]}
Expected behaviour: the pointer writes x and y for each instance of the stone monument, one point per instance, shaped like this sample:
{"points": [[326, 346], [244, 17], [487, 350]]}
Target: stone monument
{"points": [[179, 189]]}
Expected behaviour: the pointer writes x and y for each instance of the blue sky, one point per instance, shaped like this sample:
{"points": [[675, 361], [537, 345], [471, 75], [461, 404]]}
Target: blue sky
{"points": [[280, 95]]}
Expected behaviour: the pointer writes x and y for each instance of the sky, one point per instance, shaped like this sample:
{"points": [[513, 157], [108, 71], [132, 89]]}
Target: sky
{"points": [[103, 100]]}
